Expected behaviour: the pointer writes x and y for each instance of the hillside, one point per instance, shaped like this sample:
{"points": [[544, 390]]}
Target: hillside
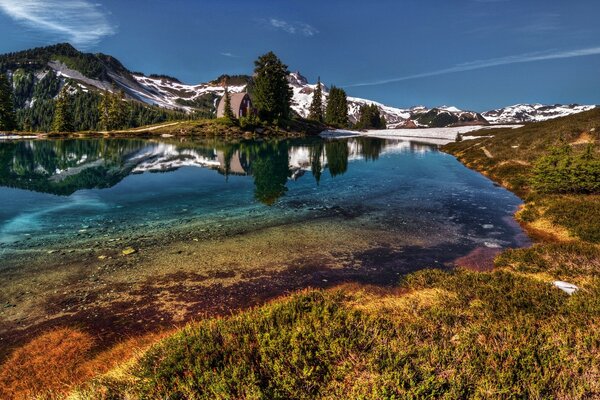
{"points": [[508, 156]]}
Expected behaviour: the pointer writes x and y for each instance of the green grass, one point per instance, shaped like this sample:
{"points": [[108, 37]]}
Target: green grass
{"points": [[579, 214], [483, 335]]}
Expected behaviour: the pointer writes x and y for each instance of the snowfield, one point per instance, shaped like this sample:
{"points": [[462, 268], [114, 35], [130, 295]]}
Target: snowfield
{"points": [[444, 134]]}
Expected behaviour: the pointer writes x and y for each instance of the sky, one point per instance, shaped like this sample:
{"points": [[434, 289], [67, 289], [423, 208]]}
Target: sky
{"points": [[473, 54]]}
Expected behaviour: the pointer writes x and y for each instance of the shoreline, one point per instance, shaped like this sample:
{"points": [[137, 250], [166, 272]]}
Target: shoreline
{"points": [[204, 270]]}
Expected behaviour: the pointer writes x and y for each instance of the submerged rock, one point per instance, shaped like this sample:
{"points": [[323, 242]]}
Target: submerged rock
{"points": [[129, 250]]}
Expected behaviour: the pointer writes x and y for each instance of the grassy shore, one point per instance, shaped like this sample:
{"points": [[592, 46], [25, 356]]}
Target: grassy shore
{"points": [[507, 333], [202, 127]]}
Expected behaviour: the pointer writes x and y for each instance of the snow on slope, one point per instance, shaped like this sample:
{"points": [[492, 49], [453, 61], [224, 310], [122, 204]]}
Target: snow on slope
{"points": [[170, 94], [532, 113], [303, 95], [166, 93]]}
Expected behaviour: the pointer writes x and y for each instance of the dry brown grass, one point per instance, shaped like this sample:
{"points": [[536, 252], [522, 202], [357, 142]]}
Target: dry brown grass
{"points": [[47, 366], [51, 365]]}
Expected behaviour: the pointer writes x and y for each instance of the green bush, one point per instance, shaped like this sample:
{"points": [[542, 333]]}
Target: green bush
{"points": [[562, 172], [249, 122]]}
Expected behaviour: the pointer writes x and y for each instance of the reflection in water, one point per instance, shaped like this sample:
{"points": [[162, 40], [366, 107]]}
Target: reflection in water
{"points": [[62, 167], [337, 157]]}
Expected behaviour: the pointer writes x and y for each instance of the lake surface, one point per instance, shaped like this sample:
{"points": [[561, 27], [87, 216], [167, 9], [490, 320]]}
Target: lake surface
{"points": [[220, 215]]}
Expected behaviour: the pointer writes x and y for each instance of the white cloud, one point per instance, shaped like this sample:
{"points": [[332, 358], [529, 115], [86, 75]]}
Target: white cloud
{"points": [[293, 27], [78, 21], [227, 54], [493, 62]]}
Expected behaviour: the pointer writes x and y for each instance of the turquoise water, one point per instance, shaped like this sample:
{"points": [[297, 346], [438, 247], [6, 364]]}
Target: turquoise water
{"points": [[72, 192]]}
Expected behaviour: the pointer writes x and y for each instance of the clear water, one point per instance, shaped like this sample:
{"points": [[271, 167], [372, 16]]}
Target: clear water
{"points": [[71, 192]]}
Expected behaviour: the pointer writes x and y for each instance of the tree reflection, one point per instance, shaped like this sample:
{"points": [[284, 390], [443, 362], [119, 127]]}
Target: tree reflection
{"points": [[316, 157], [65, 166], [337, 156], [270, 168], [37, 165], [370, 148]]}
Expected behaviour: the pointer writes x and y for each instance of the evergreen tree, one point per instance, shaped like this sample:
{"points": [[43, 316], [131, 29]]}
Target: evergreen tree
{"points": [[7, 108], [316, 107], [118, 111], [103, 108], [115, 112], [370, 118], [63, 120], [337, 108], [228, 112], [272, 94]]}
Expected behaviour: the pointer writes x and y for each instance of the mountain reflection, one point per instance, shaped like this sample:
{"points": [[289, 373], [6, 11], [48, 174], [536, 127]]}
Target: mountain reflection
{"points": [[62, 167]]}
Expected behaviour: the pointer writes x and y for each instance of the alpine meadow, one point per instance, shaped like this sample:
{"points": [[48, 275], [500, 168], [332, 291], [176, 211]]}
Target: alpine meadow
{"points": [[299, 200]]}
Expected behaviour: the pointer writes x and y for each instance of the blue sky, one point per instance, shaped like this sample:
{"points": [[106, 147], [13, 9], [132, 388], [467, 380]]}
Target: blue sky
{"points": [[474, 54]]}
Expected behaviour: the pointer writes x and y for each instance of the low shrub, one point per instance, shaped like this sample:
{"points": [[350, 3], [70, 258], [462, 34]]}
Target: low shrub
{"points": [[562, 172]]}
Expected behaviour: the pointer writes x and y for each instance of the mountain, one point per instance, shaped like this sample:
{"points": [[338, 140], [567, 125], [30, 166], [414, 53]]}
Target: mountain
{"points": [[415, 117], [39, 74], [521, 113]]}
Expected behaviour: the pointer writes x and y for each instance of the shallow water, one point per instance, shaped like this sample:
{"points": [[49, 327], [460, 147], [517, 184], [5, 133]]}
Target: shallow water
{"points": [[218, 226], [68, 191]]}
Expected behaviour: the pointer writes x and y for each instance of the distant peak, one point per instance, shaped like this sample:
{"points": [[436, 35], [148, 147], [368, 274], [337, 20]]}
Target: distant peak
{"points": [[297, 79]]}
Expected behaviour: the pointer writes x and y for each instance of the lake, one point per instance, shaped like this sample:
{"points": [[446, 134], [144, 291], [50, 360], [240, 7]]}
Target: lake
{"points": [[213, 225]]}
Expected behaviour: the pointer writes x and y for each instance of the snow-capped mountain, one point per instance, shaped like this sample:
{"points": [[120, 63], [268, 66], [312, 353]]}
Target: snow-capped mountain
{"points": [[161, 91], [303, 95], [396, 117], [38, 75], [520, 113]]}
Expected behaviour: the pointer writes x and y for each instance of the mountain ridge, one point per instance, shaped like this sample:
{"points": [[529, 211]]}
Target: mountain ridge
{"points": [[100, 72]]}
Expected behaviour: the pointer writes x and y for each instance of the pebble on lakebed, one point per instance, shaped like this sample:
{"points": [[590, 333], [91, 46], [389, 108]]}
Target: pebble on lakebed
{"points": [[129, 250]]}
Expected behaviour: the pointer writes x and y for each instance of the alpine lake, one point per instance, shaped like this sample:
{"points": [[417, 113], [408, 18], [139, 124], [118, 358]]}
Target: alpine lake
{"points": [[126, 236]]}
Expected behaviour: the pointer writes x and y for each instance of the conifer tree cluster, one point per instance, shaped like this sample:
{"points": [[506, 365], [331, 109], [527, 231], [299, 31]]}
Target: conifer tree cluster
{"points": [[316, 106], [271, 93], [370, 118], [63, 118], [7, 108], [337, 108], [114, 111]]}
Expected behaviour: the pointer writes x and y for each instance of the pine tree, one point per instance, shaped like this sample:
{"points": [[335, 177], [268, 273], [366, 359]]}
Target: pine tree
{"points": [[103, 107], [337, 108], [114, 111], [7, 107], [370, 118], [228, 112], [117, 111], [272, 94], [63, 120], [383, 123], [316, 107]]}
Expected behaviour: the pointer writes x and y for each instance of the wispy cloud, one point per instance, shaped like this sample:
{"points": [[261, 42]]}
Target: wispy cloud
{"points": [[541, 24], [493, 62], [227, 54], [294, 27], [78, 21]]}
